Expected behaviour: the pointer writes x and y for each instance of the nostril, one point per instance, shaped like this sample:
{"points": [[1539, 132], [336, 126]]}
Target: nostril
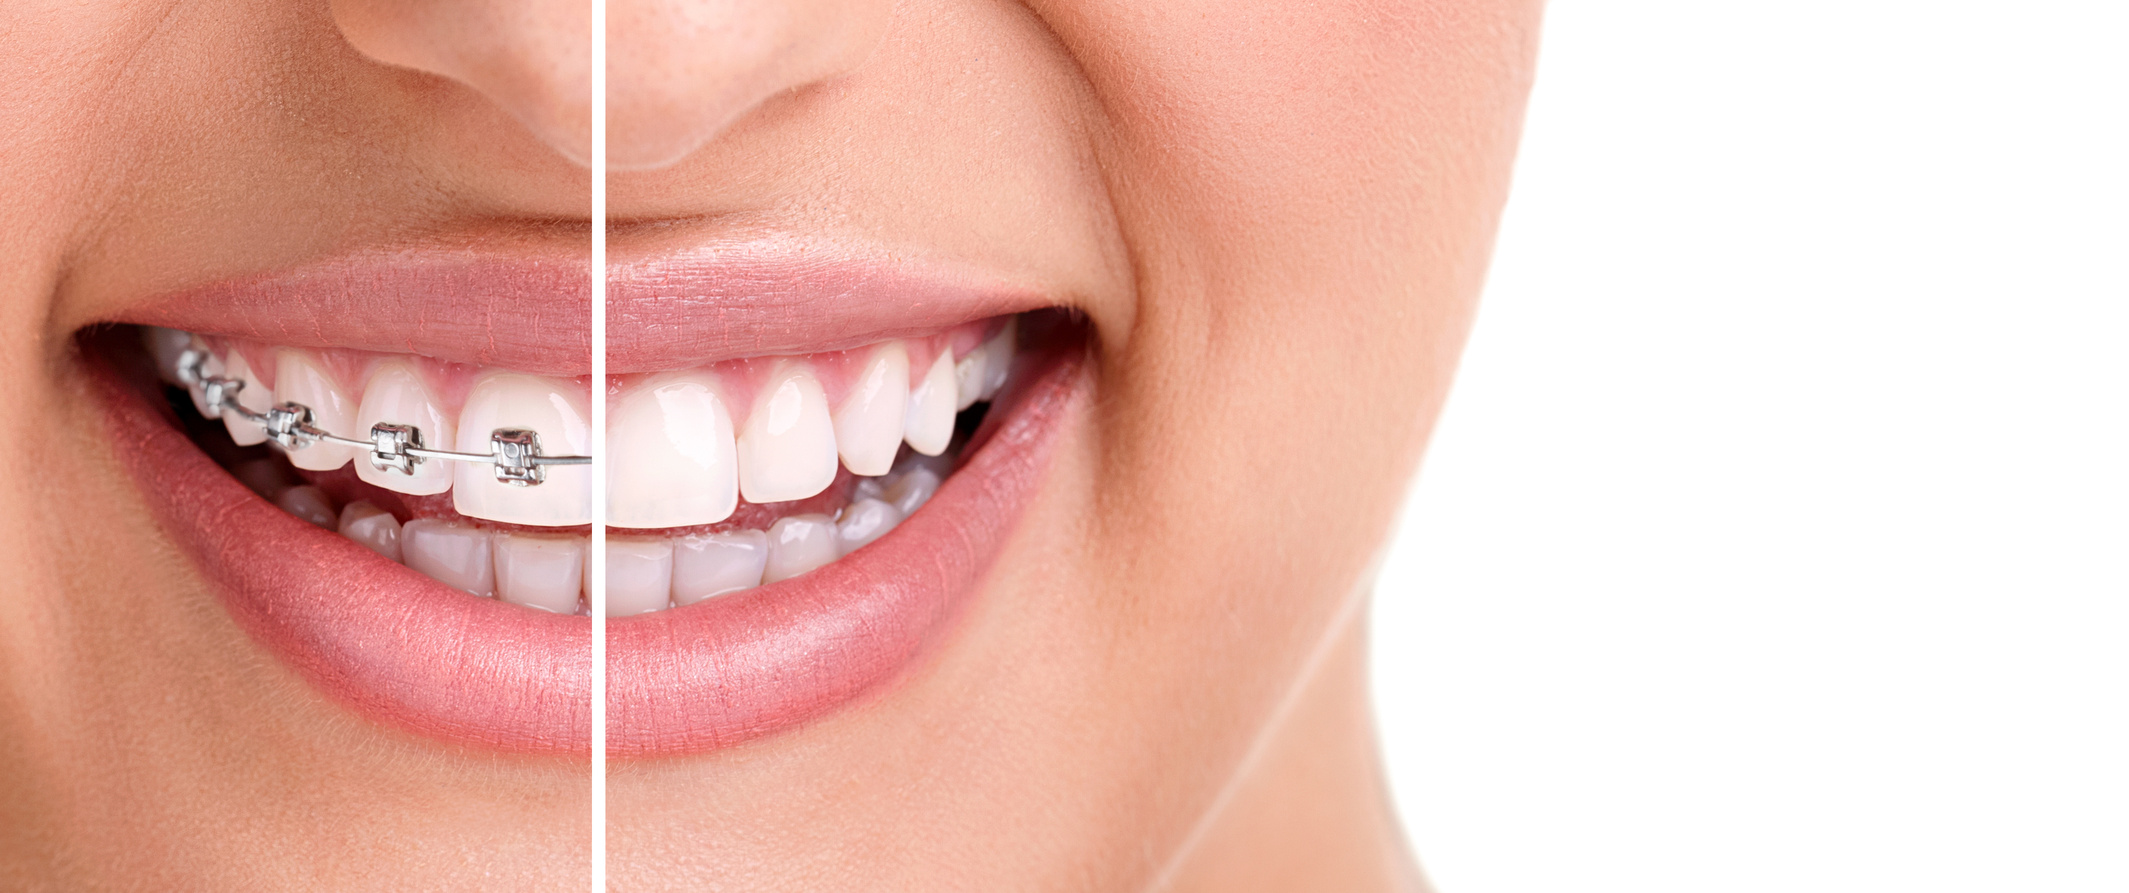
{"points": [[532, 58]]}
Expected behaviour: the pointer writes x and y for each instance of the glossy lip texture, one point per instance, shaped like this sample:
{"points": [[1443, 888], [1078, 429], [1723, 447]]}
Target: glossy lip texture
{"points": [[411, 652]]}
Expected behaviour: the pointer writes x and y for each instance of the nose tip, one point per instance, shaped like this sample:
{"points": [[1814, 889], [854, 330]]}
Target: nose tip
{"points": [[679, 73], [532, 58]]}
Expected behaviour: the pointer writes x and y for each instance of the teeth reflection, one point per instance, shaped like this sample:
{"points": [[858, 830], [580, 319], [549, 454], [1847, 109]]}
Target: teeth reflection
{"points": [[396, 394], [253, 396], [868, 426], [455, 555], [930, 424], [798, 544], [674, 461], [310, 504], [299, 378], [864, 521], [912, 490], [998, 354], [787, 450]]}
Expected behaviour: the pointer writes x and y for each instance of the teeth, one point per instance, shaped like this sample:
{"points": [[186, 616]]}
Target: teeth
{"points": [[914, 488], [717, 563], [397, 395], [555, 410], [787, 450], [969, 373], [674, 462], [998, 357], [639, 575], [164, 345], [544, 572], [864, 521], [309, 503], [299, 378], [798, 544], [930, 423], [252, 397], [371, 526], [211, 367], [453, 554], [868, 426]]}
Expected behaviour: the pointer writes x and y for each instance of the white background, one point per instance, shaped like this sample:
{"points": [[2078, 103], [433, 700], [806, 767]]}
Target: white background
{"points": [[1776, 536]]}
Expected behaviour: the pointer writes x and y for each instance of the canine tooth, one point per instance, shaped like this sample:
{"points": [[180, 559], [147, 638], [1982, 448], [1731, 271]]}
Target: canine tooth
{"points": [[674, 462], [868, 488], [868, 426], [932, 404], [298, 378], [998, 357], [455, 555], [163, 346], [371, 526], [912, 490], [798, 544], [544, 572], [864, 521], [787, 450], [554, 409], [639, 575], [309, 503], [253, 397], [713, 564], [968, 377], [397, 395]]}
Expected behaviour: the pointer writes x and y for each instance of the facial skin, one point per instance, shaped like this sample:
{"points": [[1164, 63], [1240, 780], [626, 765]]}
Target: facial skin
{"points": [[1275, 217]]}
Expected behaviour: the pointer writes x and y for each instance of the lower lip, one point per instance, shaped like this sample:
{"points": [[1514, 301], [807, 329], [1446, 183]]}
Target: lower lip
{"points": [[407, 651]]}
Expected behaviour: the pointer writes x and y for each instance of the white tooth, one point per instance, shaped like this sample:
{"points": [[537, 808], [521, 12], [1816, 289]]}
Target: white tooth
{"points": [[932, 403], [998, 357], [787, 450], [372, 527], [557, 412], [397, 395], [163, 346], [713, 564], [298, 378], [968, 378], [455, 555], [309, 503], [868, 426], [864, 521], [798, 544], [544, 572], [914, 488], [639, 575], [868, 488], [209, 368], [674, 463], [253, 396]]}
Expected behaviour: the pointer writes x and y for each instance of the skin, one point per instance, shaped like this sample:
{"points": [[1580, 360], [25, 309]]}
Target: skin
{"points": [[1276, 217]]}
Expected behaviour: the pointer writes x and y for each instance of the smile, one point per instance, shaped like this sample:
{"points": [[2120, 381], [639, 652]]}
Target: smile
{"points": [[787, 529]]}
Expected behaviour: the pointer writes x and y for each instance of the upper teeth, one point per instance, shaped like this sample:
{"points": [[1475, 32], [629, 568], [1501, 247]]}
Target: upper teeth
{"points": [[685, 446]]}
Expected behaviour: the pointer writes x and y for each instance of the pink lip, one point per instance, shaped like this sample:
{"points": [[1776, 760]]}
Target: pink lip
{"points": [[405, 650]]}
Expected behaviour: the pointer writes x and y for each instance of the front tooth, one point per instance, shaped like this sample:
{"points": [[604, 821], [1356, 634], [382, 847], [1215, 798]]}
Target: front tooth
{"points": [[798, 544], [932, 404], [864, 521], [998, 357], [298, 378], [787, 451], [968, 377], [713, 564], [868, 426], [397, 395], [253, 396], [455, 555], [371, 526], [674, 463], [309, 503], [639, 575], [554, 409], [544, 572]]}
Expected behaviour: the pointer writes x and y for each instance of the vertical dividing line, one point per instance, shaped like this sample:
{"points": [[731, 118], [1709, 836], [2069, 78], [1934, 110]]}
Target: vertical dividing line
{"points": [[596, 553]]}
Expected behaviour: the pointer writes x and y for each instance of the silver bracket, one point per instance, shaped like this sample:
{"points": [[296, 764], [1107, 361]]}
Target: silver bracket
{"points": [[289, 426], [389, 445], [514, 449]]}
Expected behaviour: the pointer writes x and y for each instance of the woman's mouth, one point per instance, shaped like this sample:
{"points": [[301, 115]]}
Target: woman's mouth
{"points": [[787, 530]]}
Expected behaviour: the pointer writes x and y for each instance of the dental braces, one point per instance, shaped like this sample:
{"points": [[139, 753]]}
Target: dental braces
{"points": [[515, 452]]}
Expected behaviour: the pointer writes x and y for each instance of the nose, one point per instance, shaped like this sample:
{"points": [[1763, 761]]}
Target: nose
{"points": [[678, 71], [681, 71]]}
